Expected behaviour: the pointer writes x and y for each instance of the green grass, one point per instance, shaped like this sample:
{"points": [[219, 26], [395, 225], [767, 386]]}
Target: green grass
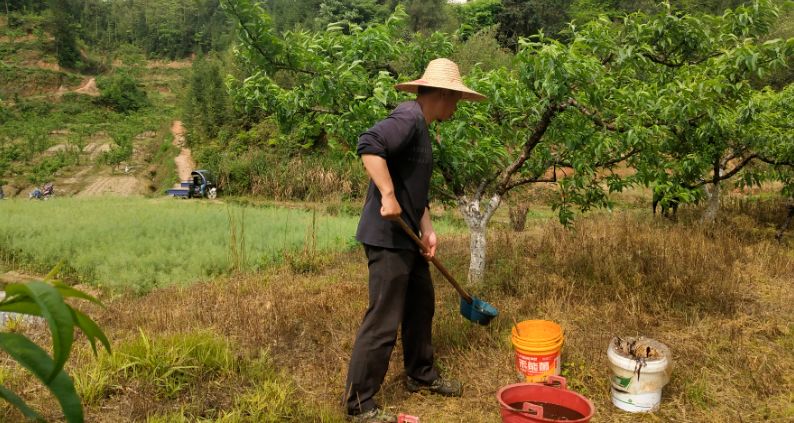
{"points": [[181, 366], [21, 80], [28, 132], [143, 243], [170, 364]]}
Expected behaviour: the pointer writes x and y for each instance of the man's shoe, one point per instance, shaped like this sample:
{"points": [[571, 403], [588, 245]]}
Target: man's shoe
{"points": [[441, 386], [376, 415]]}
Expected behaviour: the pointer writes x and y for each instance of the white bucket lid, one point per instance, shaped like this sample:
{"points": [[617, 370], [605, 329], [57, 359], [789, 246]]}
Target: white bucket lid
{"points": [[651, 365]]}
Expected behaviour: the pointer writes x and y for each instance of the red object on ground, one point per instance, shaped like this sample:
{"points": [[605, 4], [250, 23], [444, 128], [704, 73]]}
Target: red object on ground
{"points": [[522, 393], [405, 418]]}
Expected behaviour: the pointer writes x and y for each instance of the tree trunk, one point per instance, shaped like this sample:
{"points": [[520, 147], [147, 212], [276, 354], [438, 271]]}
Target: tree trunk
{"points": [[477, 250], [477, 221], [518, 216], [713, 205], [785, 224]]}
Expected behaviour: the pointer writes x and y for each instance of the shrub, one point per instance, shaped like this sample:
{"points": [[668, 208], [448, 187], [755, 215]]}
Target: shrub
{"points": [[122, 93], [481, 48]]}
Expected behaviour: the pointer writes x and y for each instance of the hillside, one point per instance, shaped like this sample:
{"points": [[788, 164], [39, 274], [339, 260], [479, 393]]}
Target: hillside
{"points": [[57, 127]]}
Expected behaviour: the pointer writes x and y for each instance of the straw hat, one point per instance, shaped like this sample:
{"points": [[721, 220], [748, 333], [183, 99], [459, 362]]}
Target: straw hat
{"points": [[441, 73]]}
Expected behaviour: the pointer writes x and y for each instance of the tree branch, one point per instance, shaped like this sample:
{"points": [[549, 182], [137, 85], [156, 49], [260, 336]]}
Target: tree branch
{"points": [[775, 162], [593, 115], [663, 61], [388, 68], [252, 43], [620, 159], [532, 142], [551, 180], [737, 168], [721, 177]]}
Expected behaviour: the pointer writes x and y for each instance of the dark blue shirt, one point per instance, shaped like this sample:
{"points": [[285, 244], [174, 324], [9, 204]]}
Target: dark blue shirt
{"points": [[402, 139]]}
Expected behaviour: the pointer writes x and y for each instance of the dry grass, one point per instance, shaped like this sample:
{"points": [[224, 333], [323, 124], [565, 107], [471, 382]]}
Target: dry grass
{"points": [[721, 299]]}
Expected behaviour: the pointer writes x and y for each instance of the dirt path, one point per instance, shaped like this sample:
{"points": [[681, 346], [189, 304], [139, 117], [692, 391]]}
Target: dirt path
{"points": [[119, 185], [89, 88], [184, 161]]}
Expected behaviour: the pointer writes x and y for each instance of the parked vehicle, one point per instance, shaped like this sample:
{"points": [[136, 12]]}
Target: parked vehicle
{"points": [[43, 193], [200, 185]]}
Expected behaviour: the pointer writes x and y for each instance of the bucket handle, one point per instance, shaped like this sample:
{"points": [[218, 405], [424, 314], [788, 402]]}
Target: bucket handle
{"points": [[561, 382], [534, 409]]}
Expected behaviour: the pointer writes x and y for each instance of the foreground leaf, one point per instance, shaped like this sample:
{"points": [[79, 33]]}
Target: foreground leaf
{"points": [[20, 404], [58, 317], [36, 360]]}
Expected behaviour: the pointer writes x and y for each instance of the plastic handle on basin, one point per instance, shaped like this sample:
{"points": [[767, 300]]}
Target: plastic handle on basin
{"points": [[535, 409], [561, 380], [438, 264]]}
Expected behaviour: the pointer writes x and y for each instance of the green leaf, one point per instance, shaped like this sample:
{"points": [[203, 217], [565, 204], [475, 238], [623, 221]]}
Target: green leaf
{"points": [[55, 270], [36, 360], [57, 314], [21, 307], [69, 292], [91, 330], [20, 404]]}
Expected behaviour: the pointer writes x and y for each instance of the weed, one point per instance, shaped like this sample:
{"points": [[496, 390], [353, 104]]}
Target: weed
{"points": [[237, 257], [309, 260], [170, 364], [697, 393]]}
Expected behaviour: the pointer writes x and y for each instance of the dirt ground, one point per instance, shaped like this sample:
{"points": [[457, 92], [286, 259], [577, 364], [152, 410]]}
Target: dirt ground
{"points": [[89, 87], [184, 161], [126, 179], [119, 185], [721, 300]]}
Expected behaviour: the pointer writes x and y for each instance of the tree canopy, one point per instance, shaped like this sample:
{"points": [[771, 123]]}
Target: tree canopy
{"points": [[668, 95]]}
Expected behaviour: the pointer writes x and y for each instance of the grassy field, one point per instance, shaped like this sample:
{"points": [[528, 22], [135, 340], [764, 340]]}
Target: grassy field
{"points": [[145, 243], [139, 244], [273, 345]]}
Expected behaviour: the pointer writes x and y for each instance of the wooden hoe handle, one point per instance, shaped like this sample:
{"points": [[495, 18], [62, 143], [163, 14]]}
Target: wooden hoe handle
{"points": [[437, 263]]}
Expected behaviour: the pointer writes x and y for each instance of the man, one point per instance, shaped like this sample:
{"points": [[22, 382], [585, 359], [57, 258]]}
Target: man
{"points": [[397, 154]]}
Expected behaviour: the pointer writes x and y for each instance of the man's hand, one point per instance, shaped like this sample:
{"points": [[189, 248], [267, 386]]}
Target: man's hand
{"points": [[430, 241], [390, 208]]}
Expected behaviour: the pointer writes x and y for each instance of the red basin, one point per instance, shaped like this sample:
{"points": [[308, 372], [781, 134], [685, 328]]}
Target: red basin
{"points": [[555, 395]]}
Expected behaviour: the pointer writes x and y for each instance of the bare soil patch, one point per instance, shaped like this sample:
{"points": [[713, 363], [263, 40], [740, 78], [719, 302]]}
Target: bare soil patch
{"points": [[168, 64], [58, 148], [89, 87], [119, 185], [20, 39], [94, 149], [184, 161], [16, 277]]}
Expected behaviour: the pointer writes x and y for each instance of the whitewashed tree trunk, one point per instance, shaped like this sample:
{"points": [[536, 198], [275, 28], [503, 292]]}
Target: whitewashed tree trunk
{"points": [[713, 205], [477, 219]]}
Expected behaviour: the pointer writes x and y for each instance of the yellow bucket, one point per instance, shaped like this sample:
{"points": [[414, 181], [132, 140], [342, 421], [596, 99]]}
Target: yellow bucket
{"points": [[537, 344]]}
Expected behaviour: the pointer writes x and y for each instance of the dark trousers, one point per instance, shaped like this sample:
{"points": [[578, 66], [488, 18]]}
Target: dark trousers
{"points": [[400, 296]]}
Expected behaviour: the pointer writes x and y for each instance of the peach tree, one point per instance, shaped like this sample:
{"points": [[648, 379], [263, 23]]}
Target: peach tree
{"points": [[661, 95]]}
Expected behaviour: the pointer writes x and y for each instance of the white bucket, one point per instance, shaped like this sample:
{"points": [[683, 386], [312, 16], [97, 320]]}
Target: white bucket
{"points": [[637, 403], [637, 384]]}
